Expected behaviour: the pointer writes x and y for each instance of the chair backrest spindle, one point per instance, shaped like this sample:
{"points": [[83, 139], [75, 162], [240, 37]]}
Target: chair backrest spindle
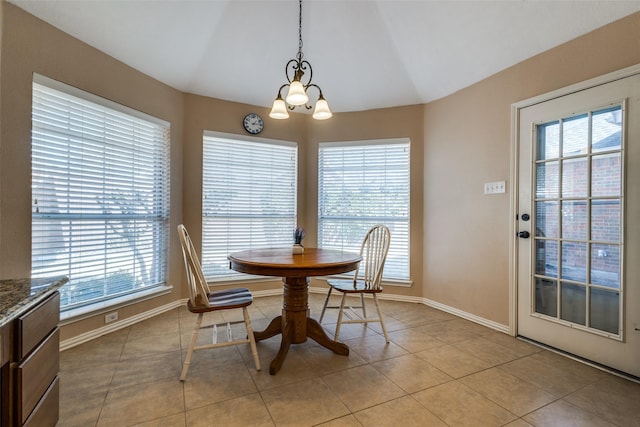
{"points": [[198, 288], [374, 249]]}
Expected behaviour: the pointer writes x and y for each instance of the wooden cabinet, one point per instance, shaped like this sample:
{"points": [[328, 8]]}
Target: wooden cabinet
{"points": [[5, 352], [34, 365]]}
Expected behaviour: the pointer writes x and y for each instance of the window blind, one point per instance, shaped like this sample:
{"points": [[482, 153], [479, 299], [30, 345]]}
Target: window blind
{"points": [[248, 198], [361, 184], [100, 194]]}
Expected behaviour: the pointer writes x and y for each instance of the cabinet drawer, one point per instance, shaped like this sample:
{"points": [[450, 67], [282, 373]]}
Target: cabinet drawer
{"points": [[33, 326], [47, 411], [5, 341], [36, 373]]}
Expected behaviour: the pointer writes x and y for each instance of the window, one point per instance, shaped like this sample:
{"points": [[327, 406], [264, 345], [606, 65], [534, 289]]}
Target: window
{"points": [[248, 198], [579, 219], [100, 194], [360, 184]]}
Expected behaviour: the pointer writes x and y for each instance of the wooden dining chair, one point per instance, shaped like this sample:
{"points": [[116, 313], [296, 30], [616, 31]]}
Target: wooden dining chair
{"points": [[366, 280], [202, 301]]}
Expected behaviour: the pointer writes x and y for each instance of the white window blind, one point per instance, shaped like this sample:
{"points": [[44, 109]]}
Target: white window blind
{"points": [[100, 194], [248, 198], [361, 184]]}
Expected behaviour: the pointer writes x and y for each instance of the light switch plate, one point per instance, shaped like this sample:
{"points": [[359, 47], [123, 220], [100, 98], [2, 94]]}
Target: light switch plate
{"points": [[496, 187]]}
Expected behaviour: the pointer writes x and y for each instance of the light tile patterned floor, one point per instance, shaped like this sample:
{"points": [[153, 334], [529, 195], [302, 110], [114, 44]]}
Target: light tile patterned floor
{"points": [[439, 370]]}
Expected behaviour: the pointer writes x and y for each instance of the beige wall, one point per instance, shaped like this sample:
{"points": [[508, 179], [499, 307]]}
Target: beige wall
{"points": [[1, 37], [31, 46], [468, 142], [375, 124], [202, 113], [459, 237]]}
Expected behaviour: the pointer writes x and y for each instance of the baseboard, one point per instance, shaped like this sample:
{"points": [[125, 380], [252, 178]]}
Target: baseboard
{"points": [[468, 316], [451, 310], [115, 326]]}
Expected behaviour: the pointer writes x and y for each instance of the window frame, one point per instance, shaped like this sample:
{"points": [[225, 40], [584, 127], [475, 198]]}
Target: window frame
{"points": [[400, 248], [156, 220], [284, 234]]}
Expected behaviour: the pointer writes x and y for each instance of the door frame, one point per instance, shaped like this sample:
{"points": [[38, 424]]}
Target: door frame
{"points": [[514, 170]]}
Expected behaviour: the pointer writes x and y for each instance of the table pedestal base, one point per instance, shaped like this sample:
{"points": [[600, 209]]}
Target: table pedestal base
{"points": [[295, 325]]}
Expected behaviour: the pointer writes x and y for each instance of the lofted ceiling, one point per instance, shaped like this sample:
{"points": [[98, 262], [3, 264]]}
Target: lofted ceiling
{"points": [[365, 53]]}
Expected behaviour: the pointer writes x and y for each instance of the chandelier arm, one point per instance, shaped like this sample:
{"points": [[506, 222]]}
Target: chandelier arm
{"points": [[280, 90], [294, 64], [304, 66], [317, 87]]}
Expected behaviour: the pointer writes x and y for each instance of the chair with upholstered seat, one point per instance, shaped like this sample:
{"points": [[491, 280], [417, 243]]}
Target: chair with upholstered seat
{"points": [[202, 301], [367, 280]]}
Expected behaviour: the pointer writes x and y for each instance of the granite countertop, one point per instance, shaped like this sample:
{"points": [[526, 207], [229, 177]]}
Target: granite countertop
{"points": [[19, 295]]}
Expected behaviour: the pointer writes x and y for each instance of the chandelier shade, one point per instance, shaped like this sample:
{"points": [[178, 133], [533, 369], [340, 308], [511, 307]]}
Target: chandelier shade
{"points": [[297, 95], [298, 86], [322, 111], [279, 109]]}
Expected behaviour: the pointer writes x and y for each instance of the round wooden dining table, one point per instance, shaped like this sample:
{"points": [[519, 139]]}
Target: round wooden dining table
{"points": [[294, 324]]}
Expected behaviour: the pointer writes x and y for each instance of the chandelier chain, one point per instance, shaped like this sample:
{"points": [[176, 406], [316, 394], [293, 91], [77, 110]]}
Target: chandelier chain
{"points": [[295, 70], [300, 54]]}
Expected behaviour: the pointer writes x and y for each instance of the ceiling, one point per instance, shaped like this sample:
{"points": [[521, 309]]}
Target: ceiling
{"points": [[365, 53]]}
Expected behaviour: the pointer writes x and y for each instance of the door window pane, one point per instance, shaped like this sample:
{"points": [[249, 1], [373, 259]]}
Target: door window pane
{"points": [[605, 265], [575, 135], [547, 258], [605, 310], [574, 177], [606, 175], [546, 297], [547, 180], [574, 261], [547, 219], [548, 144], [605, 220], [574, 219], [573, 300], [607, 130]]}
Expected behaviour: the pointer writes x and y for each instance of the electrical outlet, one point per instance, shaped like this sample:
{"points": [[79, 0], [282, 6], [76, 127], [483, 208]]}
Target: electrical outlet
{"points": [[111, 317]]}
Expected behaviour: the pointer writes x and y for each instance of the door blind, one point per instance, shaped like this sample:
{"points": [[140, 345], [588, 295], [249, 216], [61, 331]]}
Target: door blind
{"points": [[100, 194]]}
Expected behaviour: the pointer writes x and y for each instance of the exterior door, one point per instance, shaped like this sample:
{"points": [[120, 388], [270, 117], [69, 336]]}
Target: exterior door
{"points": [[578, 213]]}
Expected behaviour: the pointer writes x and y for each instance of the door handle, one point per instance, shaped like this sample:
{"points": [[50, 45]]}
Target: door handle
{"points": [[523, 234]]}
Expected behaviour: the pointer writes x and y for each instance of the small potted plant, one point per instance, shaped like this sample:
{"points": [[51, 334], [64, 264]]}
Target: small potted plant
{"points": [[298, 235]]}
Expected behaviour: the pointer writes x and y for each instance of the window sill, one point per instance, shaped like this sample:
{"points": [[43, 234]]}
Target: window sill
{"points": [[80, 313]]}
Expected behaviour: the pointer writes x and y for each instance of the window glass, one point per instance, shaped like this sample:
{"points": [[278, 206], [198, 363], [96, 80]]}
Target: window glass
{"points": [[100, 195], [361, 184], [248, 198]]}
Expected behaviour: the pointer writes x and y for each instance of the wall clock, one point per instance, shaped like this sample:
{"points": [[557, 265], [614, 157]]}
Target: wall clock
{"points": [[253, 123]]}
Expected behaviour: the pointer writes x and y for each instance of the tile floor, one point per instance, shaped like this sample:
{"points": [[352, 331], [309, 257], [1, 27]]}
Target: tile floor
{"points": [[438, 370]]}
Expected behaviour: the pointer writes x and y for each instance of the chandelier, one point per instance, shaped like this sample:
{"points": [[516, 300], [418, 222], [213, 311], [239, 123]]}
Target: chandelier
{"points": [[297, 96]]}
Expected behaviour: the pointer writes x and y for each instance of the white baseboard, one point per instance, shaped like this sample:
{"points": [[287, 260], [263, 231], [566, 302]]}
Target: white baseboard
{"points": [[115, 326], [451, 310], [468, 316]]}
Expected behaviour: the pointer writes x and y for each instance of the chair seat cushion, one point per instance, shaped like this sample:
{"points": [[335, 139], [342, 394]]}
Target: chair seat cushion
{"points": [[347, 286], [224, 300]]}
